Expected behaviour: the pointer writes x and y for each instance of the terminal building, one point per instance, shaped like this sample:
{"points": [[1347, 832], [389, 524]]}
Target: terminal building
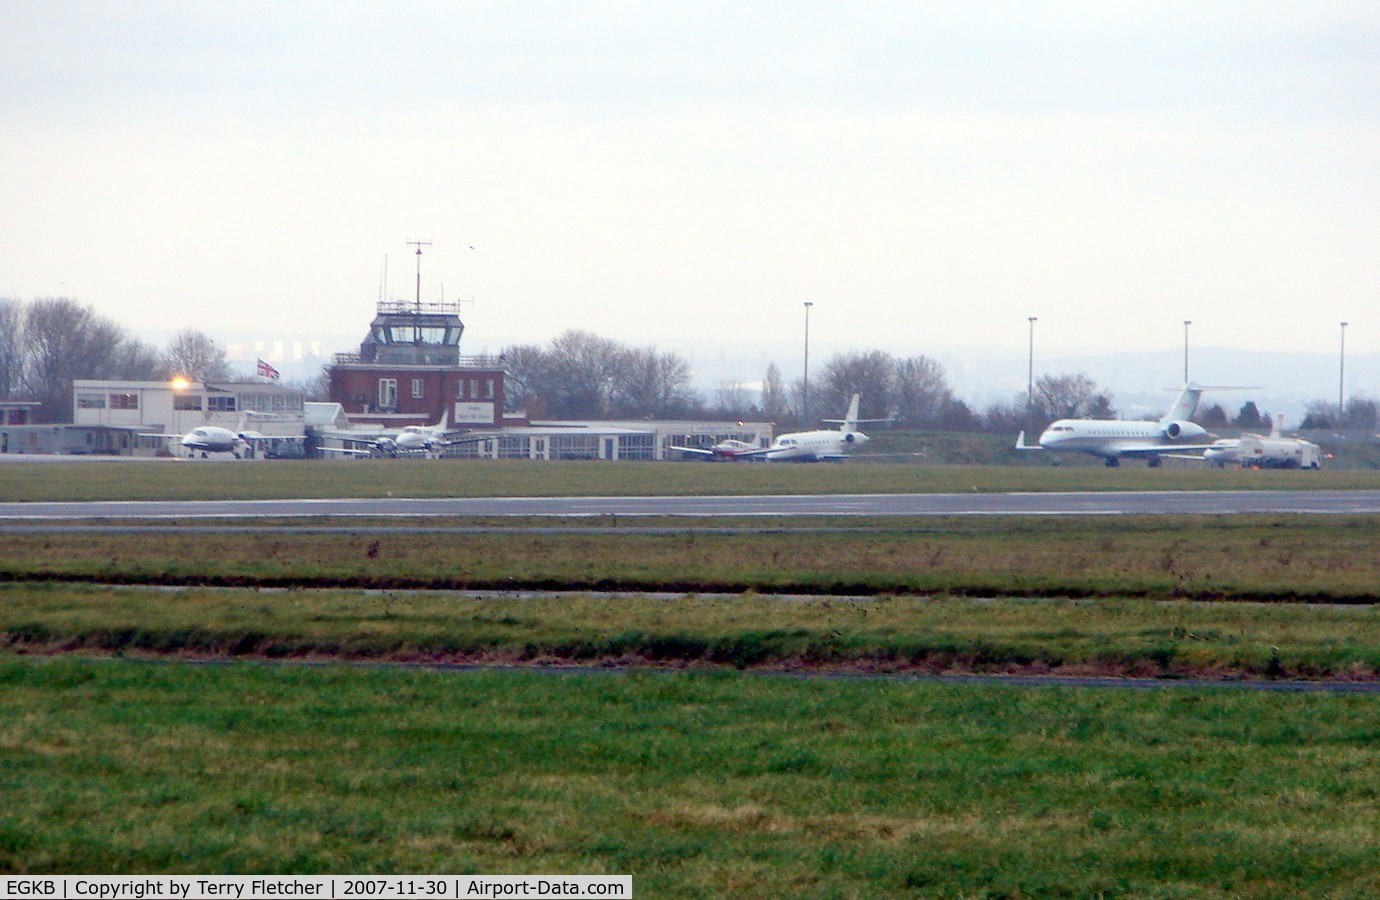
{"points": [[144, 418]]}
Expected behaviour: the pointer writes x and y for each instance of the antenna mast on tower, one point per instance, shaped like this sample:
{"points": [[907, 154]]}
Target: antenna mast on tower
{"points": [[419, 245]]}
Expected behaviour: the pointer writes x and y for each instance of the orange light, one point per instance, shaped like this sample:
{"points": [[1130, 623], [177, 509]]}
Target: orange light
{"points": [[180, 384]]}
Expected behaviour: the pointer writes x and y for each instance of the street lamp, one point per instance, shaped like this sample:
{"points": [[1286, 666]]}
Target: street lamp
{"points": [[805, 395], [1341, 377], [1030, 371], [1186, 324]]}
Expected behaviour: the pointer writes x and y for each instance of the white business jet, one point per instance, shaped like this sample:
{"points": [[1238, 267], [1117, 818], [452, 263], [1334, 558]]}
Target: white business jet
{"points": [[814, 446], [1115, 439]]}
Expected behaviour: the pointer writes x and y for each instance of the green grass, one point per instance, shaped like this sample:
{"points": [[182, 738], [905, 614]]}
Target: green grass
{"points": [[1326, 558], [1121, 637], [179, 480], [695, 784]]}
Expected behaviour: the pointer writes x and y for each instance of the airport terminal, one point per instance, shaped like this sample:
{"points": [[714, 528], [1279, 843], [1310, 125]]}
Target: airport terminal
{"points": [[408, 374]]}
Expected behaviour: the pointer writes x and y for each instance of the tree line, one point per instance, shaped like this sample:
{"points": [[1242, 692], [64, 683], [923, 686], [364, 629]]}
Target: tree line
{"points": [[47, 343], [580, 375]]}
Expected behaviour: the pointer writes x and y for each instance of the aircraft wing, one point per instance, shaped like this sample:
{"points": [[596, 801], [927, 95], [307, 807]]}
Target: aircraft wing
{"points": [[347, 452], [753, 454], [1022, 445], [697, 451], [467, 439], [1160, 449]]}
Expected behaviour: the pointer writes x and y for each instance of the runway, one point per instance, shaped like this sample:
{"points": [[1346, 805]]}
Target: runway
{"points": [[1323, 502]]}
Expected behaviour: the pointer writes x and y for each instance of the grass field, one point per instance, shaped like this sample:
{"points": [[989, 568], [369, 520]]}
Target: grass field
{"points": [[696, 784], [709, 781], [184, 480], [1107, 636], [1285, 558]]}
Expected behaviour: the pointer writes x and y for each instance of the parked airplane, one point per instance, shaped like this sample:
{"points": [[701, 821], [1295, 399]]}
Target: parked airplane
{"points": [[724, 450], [814, 446], [408, 440], [1274, 451], [213, 439], [1114, 439], [208, 439]]}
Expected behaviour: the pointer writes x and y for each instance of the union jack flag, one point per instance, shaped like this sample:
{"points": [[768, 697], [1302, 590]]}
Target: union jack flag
{"points": [[267, 371]]}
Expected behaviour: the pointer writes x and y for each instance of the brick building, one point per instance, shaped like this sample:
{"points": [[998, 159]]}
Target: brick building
{"points": [[409, 371]]}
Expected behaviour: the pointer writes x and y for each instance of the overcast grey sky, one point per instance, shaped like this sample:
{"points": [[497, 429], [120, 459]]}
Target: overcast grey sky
{"points": [[927, 174]]}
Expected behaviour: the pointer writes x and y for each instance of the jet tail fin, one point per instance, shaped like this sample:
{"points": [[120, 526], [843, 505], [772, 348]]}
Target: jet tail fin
{"points": [[1022, 445], [850, 420], [1186, 405]]}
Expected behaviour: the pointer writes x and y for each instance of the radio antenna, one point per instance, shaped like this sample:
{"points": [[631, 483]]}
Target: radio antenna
{"points": [[419, 245]]}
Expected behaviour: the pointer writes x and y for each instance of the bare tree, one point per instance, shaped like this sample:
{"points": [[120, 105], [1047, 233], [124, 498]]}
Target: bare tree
{"points": [[1362, 413], [524, 367], [196, 357], [11, 348], [64, 340], [646, 382], [316, 389], [582, 375], [731, 400], [774, 400], [871, 374], [135, 360], [1359, 414], [922, 394], [1070, 397], [579, 375]]}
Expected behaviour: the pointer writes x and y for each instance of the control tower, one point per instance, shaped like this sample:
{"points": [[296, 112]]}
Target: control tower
{"points": [[414, 334], [409, 370]]}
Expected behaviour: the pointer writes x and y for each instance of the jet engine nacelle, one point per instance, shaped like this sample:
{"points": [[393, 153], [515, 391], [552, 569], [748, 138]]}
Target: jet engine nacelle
{"points": [[849, 438], [1183, 430]]}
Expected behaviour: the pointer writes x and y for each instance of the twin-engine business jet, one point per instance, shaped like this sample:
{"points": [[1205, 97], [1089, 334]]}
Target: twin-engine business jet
{"points": [[1115, 439], [814, 446]]}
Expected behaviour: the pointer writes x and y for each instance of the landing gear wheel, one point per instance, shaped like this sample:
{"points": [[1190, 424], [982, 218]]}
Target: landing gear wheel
{"points": [[1113, 462]]}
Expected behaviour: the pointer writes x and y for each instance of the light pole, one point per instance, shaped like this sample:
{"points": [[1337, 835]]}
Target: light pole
{"points": [[1341, 377], [1030, 371], [1186, 324], [805, 393]]}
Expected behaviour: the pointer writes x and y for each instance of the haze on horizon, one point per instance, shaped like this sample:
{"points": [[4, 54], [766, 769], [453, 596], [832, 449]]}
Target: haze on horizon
{"points": [[928, 175]]}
